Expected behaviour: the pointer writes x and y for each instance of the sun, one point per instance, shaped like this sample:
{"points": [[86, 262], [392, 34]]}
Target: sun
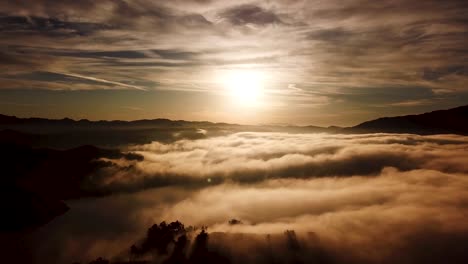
{"points": [[244, 86]]}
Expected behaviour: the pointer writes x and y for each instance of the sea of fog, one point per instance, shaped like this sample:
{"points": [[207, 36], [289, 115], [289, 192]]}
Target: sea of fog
{"points": [[368, 198]]}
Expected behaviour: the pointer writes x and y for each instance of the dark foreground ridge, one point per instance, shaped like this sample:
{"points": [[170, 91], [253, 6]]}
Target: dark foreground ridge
{"points": [[35, 181], [451, 121]]}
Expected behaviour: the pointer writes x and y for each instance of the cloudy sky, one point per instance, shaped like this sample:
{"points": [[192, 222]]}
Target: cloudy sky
{"points": [[285, 61]]}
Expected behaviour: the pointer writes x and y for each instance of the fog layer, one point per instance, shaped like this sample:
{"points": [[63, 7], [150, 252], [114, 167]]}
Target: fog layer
{"points": [[375, 198]]}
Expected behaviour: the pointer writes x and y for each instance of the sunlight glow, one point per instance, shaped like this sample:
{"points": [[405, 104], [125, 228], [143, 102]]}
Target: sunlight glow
{"points": [[244, 86]]}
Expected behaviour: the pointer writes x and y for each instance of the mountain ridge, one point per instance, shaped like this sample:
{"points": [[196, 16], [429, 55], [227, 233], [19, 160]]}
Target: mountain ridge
{"points": [[452, 120]]}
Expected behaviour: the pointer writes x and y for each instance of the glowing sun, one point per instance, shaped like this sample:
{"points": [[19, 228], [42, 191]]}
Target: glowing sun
{"points": [[244, 86]]}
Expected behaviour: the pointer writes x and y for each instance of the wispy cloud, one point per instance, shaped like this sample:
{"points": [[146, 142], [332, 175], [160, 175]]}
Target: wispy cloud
{"points": [[102, 80]]}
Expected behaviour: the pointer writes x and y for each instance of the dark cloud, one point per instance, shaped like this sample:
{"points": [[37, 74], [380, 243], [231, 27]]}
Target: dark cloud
{"points": [[194, 20], [335, 35], [435, 74], [161, 17], [371, 9], [49, 26], [49, 7], [130, 54], [51, 77], [13, 61], [250, 14]]}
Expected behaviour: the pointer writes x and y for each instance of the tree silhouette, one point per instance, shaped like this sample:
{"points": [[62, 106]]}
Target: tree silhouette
{"points": [[202, 255], [158, 238], [100, 261]]}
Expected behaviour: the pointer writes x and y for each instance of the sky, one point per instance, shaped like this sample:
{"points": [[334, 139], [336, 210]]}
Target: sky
{"points": [[251, 62]]}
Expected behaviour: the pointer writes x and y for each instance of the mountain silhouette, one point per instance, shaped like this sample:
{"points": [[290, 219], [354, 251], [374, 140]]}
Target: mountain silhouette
{"points": [[451, 121], [68, 133], [35, 181]]}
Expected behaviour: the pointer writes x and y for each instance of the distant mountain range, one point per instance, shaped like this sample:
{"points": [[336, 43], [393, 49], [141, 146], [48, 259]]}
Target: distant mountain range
{"points": [[442, 121], [159, 122]]}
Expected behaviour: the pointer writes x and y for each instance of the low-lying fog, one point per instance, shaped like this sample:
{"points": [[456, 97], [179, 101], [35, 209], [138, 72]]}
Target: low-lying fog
{"points": [[373, 198]]}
